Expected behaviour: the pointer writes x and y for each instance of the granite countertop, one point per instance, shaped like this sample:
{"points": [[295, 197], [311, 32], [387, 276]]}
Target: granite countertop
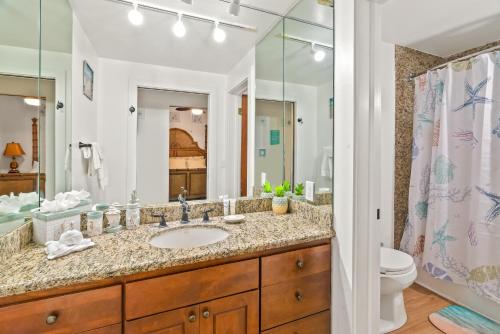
{"points": [[128, 252]]}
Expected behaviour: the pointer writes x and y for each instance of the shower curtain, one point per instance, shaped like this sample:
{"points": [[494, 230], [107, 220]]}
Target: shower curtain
{"points": [[453, 225]]}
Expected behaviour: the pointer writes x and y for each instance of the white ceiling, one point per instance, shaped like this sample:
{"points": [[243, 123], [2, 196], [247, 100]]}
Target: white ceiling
{"points": [[443, 27], [312, 11], [111, 34], [21, 18]]}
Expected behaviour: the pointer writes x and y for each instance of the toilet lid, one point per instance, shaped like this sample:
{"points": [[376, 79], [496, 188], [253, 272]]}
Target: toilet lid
{"points": [[394, 262]]}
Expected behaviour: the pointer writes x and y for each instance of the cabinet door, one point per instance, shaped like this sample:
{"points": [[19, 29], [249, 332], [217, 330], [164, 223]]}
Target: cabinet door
{"points": [[238, 314], [181, 321]]}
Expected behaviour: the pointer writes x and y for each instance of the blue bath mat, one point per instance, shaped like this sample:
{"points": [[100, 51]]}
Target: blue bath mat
{"points": [[456, 319]]}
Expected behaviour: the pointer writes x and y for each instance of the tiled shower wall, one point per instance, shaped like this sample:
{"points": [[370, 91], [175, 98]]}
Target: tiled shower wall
{"points": [[409, 61]]}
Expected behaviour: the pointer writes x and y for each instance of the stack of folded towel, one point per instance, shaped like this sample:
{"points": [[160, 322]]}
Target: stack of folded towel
{"points": [[69, 242], [64, 201]]}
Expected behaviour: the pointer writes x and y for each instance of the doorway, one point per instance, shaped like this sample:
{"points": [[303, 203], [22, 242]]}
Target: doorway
{"points": [[274, 140], [172, 141]]}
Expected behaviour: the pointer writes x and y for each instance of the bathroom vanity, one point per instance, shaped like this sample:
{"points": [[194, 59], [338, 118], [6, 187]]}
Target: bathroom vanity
{"points": [[270, 275], [289, 289]]}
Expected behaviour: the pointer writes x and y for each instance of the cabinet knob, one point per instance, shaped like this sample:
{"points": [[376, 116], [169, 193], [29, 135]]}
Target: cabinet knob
{"points": [[300, 264], [298, 296], [51, 319], [206, 314], [192, 317]]}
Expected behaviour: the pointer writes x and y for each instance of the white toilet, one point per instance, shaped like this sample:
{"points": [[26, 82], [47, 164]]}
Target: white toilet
{"points": [[397, 272]]}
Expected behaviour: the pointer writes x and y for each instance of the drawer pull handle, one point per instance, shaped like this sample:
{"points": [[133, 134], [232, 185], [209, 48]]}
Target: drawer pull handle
{"points": [[300, 264], [298, 296], [192, 317], [51, 319], [206, 314]]}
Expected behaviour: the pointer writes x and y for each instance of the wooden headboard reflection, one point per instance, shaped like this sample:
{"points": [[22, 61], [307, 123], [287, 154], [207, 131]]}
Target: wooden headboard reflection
{"points": [[183, 145]]}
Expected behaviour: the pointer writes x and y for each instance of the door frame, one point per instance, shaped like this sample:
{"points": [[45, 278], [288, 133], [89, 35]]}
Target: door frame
{"points": [[131, 167]]}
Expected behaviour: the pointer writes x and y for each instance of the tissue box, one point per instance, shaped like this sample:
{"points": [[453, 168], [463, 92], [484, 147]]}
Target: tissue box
{"points": [[49, 226]]}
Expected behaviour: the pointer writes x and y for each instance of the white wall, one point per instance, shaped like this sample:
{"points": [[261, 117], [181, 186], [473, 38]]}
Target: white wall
{"points": [[119, 81], [241, 78], [305, 99], [443, 27], [84, 111]]}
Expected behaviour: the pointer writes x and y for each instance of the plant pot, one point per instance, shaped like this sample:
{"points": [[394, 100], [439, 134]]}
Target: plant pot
{"points": [[289, 194], [299, 198], [280, 205], [266, 195]]}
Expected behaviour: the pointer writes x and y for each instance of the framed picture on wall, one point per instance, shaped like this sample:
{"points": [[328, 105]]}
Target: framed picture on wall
{"points": [[88, 81]]}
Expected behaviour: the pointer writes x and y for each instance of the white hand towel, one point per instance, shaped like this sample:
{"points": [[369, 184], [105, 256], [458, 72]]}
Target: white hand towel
{"points": [[326, 162], [98, 165], [67, 159], [69, 242]]}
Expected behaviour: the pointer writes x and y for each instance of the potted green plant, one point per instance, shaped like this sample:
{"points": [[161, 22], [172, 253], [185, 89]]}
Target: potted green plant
{"points": [[299, 192], [267, 190], [288, 188], [280, 201]]}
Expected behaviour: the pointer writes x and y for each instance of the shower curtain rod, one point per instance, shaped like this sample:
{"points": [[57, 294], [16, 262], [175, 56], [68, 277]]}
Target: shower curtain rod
{"points": [[414, 75]]}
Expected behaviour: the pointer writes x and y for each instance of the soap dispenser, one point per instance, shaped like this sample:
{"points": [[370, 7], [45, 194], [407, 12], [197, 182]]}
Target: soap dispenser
{"points": [[133, 213]]}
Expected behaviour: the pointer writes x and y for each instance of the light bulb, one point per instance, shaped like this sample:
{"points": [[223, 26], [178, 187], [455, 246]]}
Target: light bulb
{"points": [[32, 101], [179, 29], [197, 112], [319, 55], [219, 34], [134, 16]]}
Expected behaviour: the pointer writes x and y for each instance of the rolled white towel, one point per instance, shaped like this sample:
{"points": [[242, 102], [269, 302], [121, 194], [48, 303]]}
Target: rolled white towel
{"points": [[69, 242]]}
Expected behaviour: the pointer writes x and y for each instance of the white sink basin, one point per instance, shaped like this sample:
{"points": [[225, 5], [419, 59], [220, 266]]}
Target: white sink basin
{"points": [[189, 237]]}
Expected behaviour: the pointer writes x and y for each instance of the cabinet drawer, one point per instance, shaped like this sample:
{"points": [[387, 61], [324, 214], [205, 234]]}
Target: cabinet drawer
{"points": [[283, 267], [314, 324], [184, 320], [285, 302], [73, 313], [174, 291]]}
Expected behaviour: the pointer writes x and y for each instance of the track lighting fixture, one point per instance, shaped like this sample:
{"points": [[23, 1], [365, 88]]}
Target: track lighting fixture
{"points": [[234, 7], [134, 16], [179, 29], [218, 34], [319, 55]]}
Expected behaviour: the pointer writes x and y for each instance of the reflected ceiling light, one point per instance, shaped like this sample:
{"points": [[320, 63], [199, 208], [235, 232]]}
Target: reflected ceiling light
{"points": [[179, 29], [134, 16], [196, 111], [32, 101], [219, 35], [234, 7], [319, 55]]}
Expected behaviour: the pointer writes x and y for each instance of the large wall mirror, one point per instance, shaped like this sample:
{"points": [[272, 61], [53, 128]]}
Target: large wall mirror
{"points": [[161, 96], [35, 77]]}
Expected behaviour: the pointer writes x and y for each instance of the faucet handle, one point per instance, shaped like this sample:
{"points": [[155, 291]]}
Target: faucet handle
{"points": [[163, 222], [206, 218]]}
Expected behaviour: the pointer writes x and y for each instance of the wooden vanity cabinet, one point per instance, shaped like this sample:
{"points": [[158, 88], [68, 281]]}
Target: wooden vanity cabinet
{"points": [[79, 312], [283, 293]]}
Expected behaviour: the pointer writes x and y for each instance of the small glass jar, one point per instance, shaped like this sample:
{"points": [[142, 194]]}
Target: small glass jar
{"points": [[94, 223], [133, 216], [113, 216]]}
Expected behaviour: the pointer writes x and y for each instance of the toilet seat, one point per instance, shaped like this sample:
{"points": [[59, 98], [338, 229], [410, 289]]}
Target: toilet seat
{"points": [[394, 262]]}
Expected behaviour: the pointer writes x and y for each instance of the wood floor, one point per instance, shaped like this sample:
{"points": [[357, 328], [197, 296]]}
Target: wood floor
{"points": [[421, 302]]}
